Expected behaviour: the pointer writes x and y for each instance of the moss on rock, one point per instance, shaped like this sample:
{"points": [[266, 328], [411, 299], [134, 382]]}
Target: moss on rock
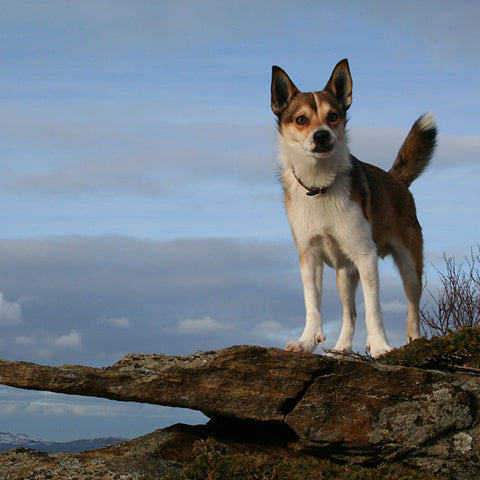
{"points": [[453, 351]]}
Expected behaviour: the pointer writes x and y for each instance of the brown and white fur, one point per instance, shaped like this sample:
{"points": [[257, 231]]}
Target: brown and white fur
{"points": [[344, 212]]}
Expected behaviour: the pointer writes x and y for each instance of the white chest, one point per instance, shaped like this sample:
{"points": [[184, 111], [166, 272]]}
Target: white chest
{"points": [[332, 226]]}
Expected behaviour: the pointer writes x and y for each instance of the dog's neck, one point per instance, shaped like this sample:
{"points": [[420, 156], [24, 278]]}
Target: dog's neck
{"points": [[315, 175], [312, 191]]}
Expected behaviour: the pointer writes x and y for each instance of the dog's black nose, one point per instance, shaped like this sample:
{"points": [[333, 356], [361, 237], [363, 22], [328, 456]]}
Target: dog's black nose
{"points": [[322, 140], [321, 137]]}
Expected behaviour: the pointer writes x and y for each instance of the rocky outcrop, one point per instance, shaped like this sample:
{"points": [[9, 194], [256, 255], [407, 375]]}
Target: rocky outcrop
{"points": [[345, 409], [142, 458]]}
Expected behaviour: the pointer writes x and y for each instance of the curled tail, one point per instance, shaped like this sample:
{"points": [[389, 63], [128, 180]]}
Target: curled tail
{"points": [[417, 150]]}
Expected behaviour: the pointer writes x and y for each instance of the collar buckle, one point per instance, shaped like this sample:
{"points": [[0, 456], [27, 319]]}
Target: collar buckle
{"points": [[311, 191]]}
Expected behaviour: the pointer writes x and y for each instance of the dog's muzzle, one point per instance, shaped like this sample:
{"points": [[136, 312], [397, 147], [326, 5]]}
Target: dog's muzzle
{"points": [[322, 140]]}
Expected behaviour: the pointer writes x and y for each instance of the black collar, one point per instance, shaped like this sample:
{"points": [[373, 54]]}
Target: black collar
{"points": [[311, 191]]}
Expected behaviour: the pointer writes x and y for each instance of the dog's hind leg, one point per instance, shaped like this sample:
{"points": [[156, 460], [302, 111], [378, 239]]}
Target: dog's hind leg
{"points": [[347, 282], [410, 265]]}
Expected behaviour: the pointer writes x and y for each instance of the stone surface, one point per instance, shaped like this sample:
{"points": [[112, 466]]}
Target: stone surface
{"points": [[242, 382], [346, 409], [372, 410]]}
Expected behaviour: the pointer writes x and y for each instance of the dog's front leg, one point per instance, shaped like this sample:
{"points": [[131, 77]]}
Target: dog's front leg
{"points": [[377, 343], [312, 272]]}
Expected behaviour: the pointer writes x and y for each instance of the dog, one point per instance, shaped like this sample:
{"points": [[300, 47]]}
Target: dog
{"points": [[346, 213]]}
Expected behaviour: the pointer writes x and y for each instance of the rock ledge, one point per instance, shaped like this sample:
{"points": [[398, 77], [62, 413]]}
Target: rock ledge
{"points": [[344, 409]]}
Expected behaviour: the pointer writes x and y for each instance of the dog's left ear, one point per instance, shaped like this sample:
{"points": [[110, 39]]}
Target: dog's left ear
{"points": [[340, 83]]}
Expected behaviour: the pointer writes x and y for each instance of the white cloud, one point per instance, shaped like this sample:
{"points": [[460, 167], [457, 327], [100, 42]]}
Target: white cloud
{"points": [[270, 326], [277, 332], [9, 409], [10, 312], [109, 159], [58, 406], [201, 325], [70, 340], [48, 409], [121, 322], [457, 149], [25, 340]]}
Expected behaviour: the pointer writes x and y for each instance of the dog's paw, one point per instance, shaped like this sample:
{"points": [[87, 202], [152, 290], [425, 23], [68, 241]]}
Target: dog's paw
{"points": [[298, 346], [307, 346], [378, 350], [340, 349]]}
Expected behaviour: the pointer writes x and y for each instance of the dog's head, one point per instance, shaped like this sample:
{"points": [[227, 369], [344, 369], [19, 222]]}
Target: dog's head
{"points": [[313, 121]]}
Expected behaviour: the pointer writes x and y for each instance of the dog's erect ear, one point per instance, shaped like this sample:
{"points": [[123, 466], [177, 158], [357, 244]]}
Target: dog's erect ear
{"points": [[283, 90], [340, 83]]}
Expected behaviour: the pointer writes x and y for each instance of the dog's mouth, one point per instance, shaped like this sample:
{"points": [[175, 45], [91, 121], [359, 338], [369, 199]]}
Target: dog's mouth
{"points": [[323, 148], [321, 152]]}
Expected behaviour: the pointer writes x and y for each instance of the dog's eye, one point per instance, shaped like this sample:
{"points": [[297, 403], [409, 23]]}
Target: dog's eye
{"points": [[301, 120], [332, 117]]}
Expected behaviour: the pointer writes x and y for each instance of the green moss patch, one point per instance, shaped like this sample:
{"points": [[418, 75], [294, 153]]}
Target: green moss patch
{"points": [[455, 351]]}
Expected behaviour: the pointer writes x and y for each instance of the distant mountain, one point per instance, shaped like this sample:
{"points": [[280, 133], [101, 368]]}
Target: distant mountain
{"points": [[10, 440]]}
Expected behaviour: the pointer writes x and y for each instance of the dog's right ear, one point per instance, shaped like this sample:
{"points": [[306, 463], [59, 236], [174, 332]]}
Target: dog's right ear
{"points": [[283, 90]]}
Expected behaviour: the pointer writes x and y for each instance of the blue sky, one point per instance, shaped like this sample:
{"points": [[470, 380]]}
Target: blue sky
{"points": [[141, 209]]}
